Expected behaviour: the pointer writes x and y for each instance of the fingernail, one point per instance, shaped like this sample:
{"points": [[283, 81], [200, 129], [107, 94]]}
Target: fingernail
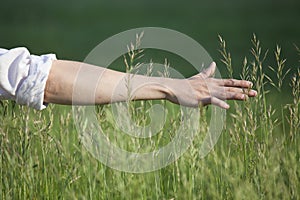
{"points": [[253, 93]]}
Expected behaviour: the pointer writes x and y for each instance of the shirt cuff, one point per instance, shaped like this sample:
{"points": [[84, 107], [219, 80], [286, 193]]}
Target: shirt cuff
{"points": [[31, 89]]}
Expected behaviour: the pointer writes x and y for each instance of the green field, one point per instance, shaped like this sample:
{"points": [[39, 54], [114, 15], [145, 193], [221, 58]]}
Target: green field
{"points": [[258, 153]]}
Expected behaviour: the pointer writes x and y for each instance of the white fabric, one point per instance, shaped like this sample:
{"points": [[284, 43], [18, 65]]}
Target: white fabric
{"points": [[23, 76]]}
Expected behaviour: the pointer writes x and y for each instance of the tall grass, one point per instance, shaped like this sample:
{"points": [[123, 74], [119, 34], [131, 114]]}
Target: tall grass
{"points": [[257, 156]]}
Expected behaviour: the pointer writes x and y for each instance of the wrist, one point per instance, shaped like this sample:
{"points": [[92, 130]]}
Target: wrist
{"points": [[152, 88]]}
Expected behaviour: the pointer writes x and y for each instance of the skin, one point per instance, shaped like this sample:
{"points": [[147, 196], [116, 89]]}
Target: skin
{"points": [[71, 82]]}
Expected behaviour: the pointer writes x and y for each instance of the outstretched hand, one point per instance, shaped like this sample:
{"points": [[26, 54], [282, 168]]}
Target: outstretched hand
{"points": [[203, 89]]}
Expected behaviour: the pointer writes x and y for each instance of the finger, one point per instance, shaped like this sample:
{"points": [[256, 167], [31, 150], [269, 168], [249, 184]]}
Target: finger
{"points": [[219, 102], [215, 101], [235, 83], [230, 95], [236, 96], [252, 93], [208, 72], [249, 92]]}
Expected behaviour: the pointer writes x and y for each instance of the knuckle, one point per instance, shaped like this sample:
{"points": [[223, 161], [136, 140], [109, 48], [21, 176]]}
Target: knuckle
{"points": [[239, 96], [231, 80]]}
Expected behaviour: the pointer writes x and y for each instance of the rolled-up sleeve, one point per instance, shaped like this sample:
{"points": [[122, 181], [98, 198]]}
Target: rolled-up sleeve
{"points": [[23, 76]]}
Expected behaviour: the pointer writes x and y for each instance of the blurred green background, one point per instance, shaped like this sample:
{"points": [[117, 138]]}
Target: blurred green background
{"points": [[71, 29]]}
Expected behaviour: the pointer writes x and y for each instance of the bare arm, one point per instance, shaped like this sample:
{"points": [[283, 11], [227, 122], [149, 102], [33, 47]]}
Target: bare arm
{"points": [[69, 79]]}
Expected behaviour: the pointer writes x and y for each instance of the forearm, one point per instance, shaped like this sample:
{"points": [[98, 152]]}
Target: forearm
{"points": [[72, 82]]}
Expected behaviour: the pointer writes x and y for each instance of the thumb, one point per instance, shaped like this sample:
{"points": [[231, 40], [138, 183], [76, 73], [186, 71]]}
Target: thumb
{"points": [[208, 72]]}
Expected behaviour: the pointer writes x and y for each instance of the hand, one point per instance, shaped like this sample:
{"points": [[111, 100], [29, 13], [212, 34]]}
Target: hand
{"points": [[202, 89]]}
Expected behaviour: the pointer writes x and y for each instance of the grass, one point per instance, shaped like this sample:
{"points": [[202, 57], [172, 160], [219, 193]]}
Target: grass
{"points": [[256, 157]]}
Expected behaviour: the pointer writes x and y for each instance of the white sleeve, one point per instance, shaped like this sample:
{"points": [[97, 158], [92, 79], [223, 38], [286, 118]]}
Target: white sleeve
{"points": [[23, 76]]}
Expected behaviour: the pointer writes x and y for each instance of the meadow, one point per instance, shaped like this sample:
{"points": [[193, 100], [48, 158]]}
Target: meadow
{"points": [[256, 157]]}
